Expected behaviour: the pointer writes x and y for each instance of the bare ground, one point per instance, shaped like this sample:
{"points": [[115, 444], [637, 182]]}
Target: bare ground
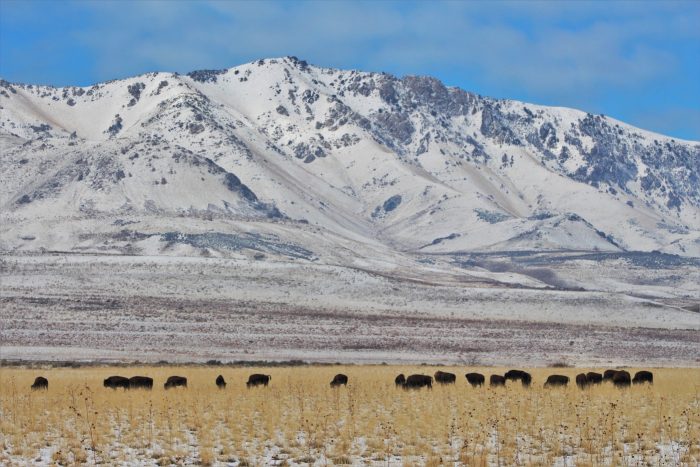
{"points": [[125, 309]]}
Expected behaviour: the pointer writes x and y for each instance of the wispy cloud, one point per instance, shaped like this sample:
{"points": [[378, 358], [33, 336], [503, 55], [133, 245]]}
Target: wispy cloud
{"points": [[600, 56]]}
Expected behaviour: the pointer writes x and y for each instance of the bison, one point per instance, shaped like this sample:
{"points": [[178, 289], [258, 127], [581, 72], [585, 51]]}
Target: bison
{"points": [[418, 381], [175, 381], [220, 382], [400, 380], [475, 379], [497, 380], [581, 380], [621, 379], [523, 376], [642, 377], [40, 383], [556, 380], [339, 380], [608, 375], [443, 377], [258, 379], [115, 382], [141, 382], [594, 378]]}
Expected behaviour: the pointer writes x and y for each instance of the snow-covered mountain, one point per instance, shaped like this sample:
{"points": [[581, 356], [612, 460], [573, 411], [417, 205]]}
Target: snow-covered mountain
{"points": [[281, 158]]}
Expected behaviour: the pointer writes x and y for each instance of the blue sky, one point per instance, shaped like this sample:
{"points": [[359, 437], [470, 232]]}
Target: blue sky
{"points": [[638, 61]]}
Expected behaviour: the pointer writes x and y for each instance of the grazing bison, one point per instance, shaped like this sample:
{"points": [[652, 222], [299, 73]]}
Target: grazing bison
{"points": [[497, 380], [581, 380], [141, 382], [400, 380], [40, 383], [621, 379], [523, 376], [443, 377], [475, 379], [418, 381], [115, 382], [175, 381], [642, 377], [594, 378], [220, 382], [556, 380], [258, 379], [339, 380], [608, 375]]}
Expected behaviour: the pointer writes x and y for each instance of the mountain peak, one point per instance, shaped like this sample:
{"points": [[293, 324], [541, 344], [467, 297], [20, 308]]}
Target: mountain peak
{"points": [[408, 162]]}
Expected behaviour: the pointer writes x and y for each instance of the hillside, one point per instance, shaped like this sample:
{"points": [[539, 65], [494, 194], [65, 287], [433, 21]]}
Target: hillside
{"points": [[278, 210], [307, 156]]}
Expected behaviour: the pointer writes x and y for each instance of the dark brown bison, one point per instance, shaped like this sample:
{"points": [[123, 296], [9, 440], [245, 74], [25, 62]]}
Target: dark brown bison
{"points": [[475, 379], [642, 377], [581, 380], [608, 375], [418, 381], [443, 377], [497, 380], [40, 383], [400, 380], [556, 380], [141, 382], [175, 381], [258, 379], [519, 375], [115, 382], [622, 379], [339, 380], [220, 382], [594, 378]]}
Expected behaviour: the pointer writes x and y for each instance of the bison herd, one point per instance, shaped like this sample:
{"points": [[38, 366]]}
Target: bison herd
{"points": [[619, 378]]}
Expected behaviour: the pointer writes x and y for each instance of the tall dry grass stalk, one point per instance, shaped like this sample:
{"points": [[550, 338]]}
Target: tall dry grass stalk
{"points": [[300, 419]]}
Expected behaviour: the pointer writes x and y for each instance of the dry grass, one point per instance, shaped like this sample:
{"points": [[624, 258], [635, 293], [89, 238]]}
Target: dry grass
{"points": [[300, 419]]}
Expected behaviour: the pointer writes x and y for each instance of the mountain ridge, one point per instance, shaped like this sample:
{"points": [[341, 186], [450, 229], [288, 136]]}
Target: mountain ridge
{"points": [[407, 162], [205, 76]]}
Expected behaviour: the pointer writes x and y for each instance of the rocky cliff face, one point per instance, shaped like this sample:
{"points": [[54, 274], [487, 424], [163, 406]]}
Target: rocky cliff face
{"points": [[293, 155]]}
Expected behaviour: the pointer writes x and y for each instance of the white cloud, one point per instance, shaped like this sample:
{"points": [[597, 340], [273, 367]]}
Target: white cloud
{"points": [[526, 47], [569, 53]]}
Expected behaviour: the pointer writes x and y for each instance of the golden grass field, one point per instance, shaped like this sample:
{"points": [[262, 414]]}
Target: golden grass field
{"points": [[299, 419]]}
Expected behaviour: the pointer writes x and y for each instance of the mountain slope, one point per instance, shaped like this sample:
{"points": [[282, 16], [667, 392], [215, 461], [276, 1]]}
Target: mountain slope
{"points": [[313, 163]]}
